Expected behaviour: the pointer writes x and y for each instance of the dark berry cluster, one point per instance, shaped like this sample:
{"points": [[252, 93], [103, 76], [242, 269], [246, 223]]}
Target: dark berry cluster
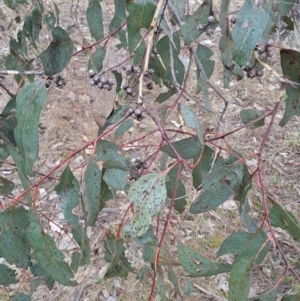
{"points": [[128, 89], [58, 80], [153, 53], [148, 80], [102, 82], [265, 50], [131, 69], [139, 167], [209, 31], [137, 113], [253, 71]]}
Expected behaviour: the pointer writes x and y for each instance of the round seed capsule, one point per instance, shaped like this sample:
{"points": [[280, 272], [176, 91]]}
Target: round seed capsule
{"points": [[47, 83], [128, 68], [136, 69], [130, 111], [138, 112], [103, 80], [259, 73], [96, 78], [109, 88], [64, 82], [270, 52], [60, 83], [211, 19], [251, 73], [247, 68], [60, 86], [261, 48], [111, 82], [124, 86], [150, 71], [144, 115], [92, 73], [210, 31], [100, 85], [200, 26], [92, 82], [129, 90], [133, 94], [106, 86], [270, 42]]}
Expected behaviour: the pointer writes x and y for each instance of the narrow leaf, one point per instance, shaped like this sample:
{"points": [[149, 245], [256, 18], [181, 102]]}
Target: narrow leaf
{"points": [[7, 275], [187, 148], [21, 297], [242, 244], [58, 54], [285, 220], [197, 265], [148, 194], [96, 60], [29, 104], [252, 26], [46, 253], [248, 115], [108, 151], [290, 64], [239, 280], [95, 19], [68, 190], [92, 192], [14, 246], [192, 121]]}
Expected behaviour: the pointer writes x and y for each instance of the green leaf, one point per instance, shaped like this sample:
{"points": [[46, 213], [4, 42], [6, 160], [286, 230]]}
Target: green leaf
{"points": [[92, 192], [19, 164], [117, 114], [192, 121], [161, 284], [118, 77], [179, 72], [163, 48], [140, 16], [108, 151], [117, 20], [76, 261], [291, 298], [8, 124], [7, 275], [252, 26], [243, 244], [189, 30], [173, 279], [68, 190], [114, 252], [46, 253], [239, 279], [14, 246], [58, 54], [21, 297], [290, 64], [180, 201], [30, 101], [125, 126], [6, 186], [95, 19], [165, 95], [285, 6], [285, 220], [197, 265], [204, 166], [247, 115], [148, 195], [218, 186], [187, 148], [269, 296], [57, 13], [188, 287], [96, 60]]}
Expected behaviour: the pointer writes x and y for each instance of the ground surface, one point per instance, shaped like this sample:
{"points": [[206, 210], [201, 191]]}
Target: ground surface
{"points": [[67, 124]]}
